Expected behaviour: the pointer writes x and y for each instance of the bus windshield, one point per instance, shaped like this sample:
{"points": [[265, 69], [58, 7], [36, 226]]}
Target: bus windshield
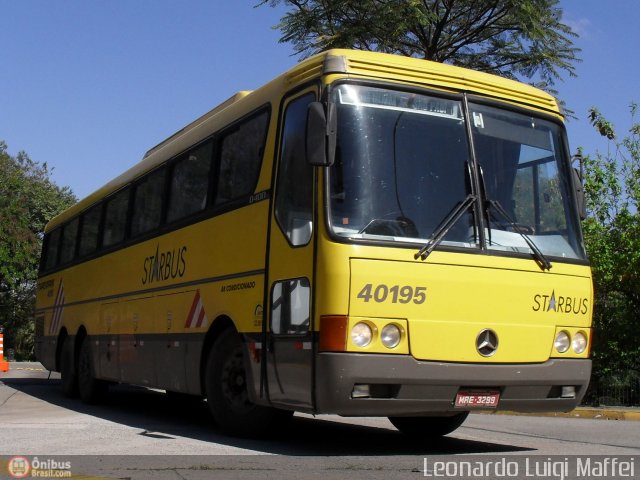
{"points": [[402, 166]]}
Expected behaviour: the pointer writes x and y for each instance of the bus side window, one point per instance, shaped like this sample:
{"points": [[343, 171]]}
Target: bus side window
{"points": [[294, 190], [51, 256], [190, 182], [115, 218], [147, 203], [89, 230], [240, 159], [69, 239]]}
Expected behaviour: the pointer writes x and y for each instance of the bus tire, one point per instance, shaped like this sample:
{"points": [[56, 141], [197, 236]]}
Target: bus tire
{"points": [[90, 388], [428, 427], [68, 369], [226, 390]]}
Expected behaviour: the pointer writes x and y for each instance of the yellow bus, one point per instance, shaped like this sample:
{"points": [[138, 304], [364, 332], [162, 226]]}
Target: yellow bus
{"points": [[365, 235]]}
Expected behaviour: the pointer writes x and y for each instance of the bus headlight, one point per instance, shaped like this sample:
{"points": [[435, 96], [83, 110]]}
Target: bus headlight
{"points": [[579, 343], [390, 336], [361, 334], [562, 342]]}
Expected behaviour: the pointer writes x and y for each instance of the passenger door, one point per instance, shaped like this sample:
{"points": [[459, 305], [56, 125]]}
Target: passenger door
{"points": [[290, 266]]}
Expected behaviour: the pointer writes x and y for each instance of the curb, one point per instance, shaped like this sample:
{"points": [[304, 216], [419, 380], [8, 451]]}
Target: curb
{"points": [[581, 412]]}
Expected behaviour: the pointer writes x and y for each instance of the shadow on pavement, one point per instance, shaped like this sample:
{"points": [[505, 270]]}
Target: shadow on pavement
{"points": [[159, 416]]}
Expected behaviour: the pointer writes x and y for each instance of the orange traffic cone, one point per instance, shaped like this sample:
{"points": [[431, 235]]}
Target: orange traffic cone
{"points": [[4, 365]]}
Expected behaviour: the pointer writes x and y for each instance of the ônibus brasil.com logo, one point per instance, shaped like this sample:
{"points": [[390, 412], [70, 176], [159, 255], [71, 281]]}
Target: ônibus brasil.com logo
{"points": [[21, 467]]}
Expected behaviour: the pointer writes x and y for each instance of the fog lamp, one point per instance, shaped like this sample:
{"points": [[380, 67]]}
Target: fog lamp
{"points": [[360, 391]]}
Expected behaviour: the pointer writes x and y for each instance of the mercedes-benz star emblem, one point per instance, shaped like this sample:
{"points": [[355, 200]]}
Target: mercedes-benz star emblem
{"points": [[487, 342]]}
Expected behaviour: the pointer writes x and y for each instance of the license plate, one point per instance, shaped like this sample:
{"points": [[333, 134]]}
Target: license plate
{"points": [[477, 399]]}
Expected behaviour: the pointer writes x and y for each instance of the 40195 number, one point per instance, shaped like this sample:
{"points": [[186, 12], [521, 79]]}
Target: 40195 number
{"points": [[395, 294]]}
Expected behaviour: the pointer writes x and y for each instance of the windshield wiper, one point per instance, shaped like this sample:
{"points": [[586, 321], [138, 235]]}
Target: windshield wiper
{"points": [[441, 231], [541, 260]]}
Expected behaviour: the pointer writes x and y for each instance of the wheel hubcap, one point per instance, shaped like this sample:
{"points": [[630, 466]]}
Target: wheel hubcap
{"points": [[234, 384]]}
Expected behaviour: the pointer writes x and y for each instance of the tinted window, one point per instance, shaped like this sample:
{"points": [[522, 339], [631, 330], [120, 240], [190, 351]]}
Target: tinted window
{"points": [[294, 191], [115, 218], [190, 183], [89, 233], [240, 158], [526, 172], [69, 238], [147, 205], [290, 302], [53, 241], [400, 168]]}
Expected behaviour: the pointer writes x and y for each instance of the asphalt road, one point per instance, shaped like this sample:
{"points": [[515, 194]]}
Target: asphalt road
{"points": [[141, 433]]}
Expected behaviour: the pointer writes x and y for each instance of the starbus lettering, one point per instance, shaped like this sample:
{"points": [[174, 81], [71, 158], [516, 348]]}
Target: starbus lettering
{"points": [[560, 304], [165, 265]]}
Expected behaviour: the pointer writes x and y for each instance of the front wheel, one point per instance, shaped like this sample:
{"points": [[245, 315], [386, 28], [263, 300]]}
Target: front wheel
{"points": [[428, 427], [227, 395]]}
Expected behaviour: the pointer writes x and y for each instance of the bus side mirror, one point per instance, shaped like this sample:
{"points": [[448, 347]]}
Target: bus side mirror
{"points": [[579, 189], [320, 142]]}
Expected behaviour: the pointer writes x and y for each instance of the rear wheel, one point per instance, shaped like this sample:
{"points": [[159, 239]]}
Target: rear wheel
{"points": [[428, 427], [227, 395], [68, 369], [91, 389]]}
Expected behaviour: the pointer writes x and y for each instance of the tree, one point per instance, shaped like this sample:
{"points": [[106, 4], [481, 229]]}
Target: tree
{"points": [[28, 199], [511, 38], [612, 237]]}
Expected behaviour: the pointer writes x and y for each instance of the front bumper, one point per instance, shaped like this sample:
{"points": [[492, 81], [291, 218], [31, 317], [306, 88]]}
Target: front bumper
{"points": [[401, 385]]}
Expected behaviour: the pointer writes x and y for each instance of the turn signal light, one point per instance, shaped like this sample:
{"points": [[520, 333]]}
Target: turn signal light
{"points": [[333, 333]]}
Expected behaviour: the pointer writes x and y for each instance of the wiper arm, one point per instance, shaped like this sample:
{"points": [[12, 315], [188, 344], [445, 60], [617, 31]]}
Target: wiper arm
{"points": [[541, 260], [444, 227]]}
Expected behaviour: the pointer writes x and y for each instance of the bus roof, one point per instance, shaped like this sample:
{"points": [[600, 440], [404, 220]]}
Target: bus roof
{"points": [[351, 63]]}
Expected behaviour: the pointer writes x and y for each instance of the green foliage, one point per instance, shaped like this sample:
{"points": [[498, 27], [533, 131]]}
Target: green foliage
{"points": [[612, 236], [28, 199], [511, 38]]}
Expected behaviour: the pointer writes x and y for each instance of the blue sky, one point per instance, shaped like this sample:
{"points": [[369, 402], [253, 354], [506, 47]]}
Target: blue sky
{"points": [[89, 86]]}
